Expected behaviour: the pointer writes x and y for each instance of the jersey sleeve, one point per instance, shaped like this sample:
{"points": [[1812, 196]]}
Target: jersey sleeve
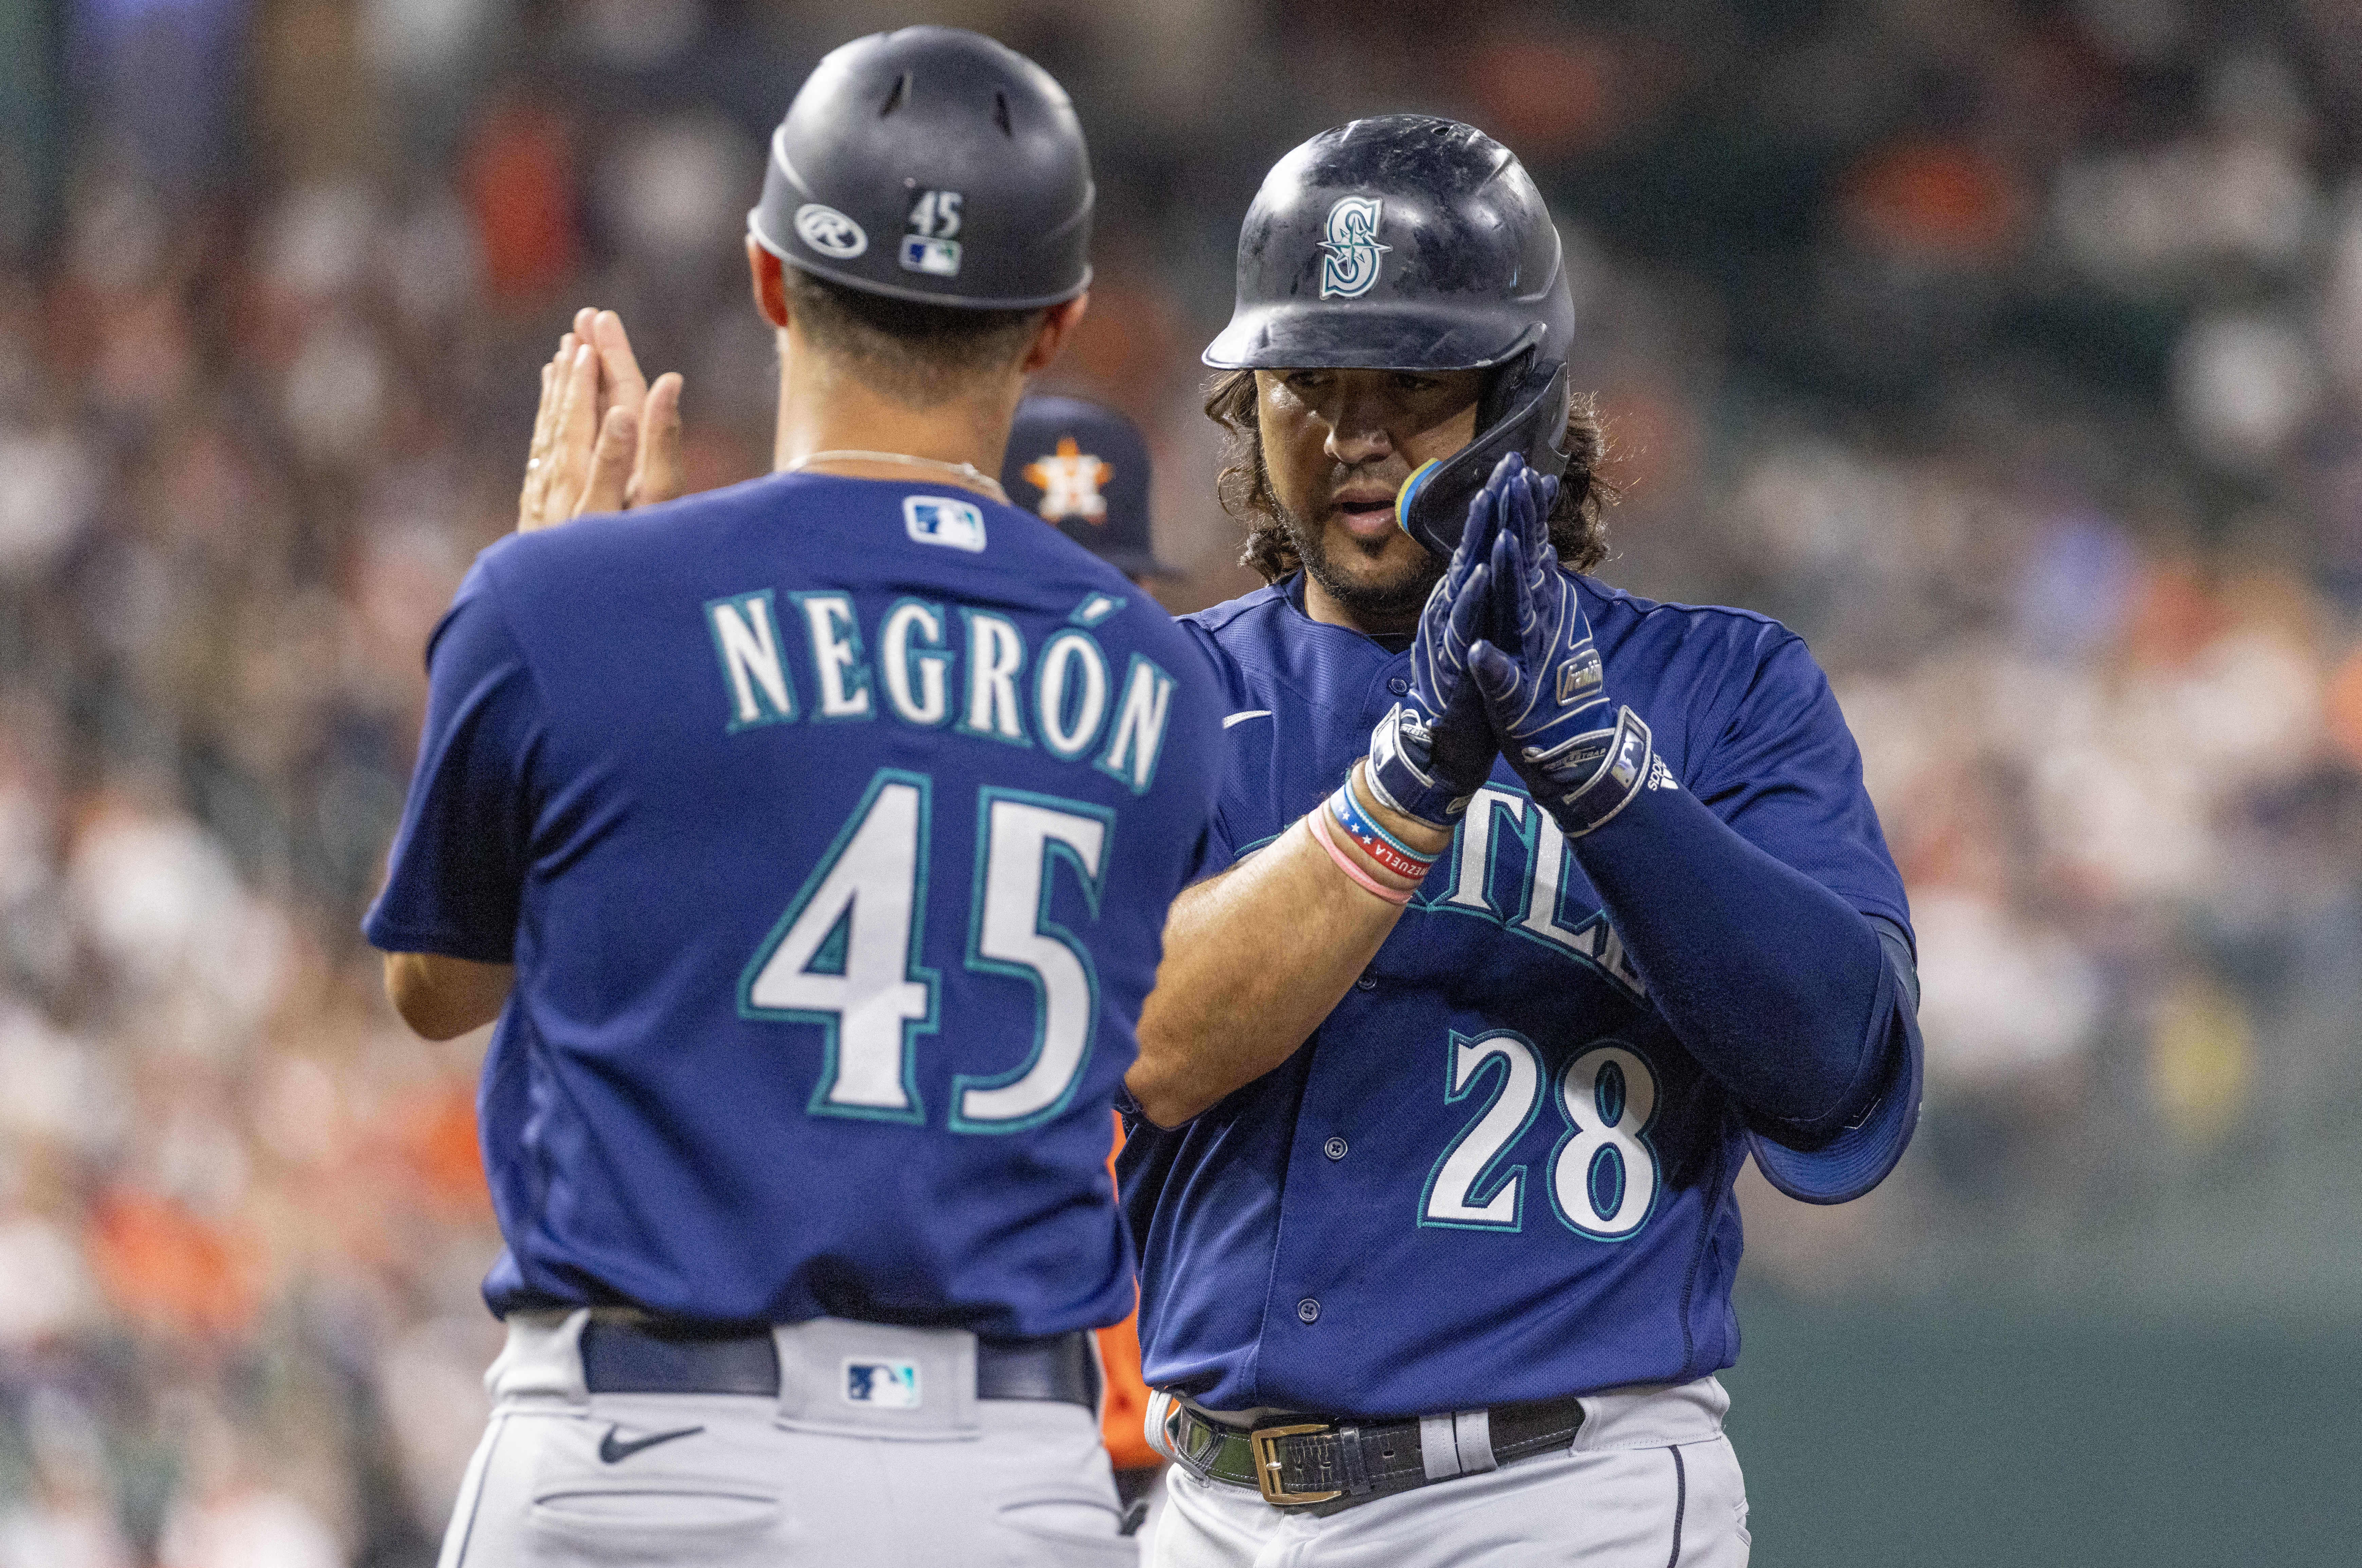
{"points": [[1784, 772], [1217, 846], [1782, 768], [456, 874]]}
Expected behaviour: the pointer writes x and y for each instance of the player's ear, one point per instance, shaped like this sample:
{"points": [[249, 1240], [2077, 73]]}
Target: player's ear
{"points": [[770, 283], [1058, 324]]}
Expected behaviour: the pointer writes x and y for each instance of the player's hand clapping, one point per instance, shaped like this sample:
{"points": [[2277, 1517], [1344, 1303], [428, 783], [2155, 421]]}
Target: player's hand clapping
{"points": [[1538, 670], [1434, 749], [604, 439]]}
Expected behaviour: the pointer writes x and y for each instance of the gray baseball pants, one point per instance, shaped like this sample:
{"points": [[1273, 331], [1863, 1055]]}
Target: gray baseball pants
{"points": [[565, 1478], [1648, 1482]]}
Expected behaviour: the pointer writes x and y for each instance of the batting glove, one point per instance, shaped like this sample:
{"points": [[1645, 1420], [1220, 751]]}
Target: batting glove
{"points": [[1548, 698], [1435, 748]]}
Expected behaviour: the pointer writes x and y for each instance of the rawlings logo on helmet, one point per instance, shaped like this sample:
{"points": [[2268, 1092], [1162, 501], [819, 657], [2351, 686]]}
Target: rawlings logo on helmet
{"points": [[829, 232], [1351, 267]]}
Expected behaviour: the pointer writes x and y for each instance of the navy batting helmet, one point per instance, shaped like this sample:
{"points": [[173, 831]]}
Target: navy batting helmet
{"points": [[1411, 243], [931, 164]]}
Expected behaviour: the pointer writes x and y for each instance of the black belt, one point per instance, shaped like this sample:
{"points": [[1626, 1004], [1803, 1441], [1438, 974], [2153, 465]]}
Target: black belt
{"points": [[1321, 1466], [655, 1356]]}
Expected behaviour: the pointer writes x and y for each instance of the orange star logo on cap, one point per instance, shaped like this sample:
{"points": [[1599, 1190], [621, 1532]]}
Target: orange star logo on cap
{"points": [[1069, 482]]}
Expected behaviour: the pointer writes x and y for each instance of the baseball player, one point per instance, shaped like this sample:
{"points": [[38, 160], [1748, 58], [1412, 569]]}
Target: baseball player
{"points": [[1537, 908], [812, 840]]}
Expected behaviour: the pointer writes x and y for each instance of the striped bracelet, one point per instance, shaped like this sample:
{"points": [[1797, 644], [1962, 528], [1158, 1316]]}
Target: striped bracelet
{"points": [[1318, 829], [1374, 840]]}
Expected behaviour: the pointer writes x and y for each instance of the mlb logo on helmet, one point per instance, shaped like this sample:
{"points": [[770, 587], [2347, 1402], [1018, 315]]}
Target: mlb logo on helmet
{"points": [[940, 257], [882, 1384], [1350, 239]]}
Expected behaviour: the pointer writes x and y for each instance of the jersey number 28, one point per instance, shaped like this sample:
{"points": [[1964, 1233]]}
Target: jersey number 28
{"points": [[1603, 1172], [847, 954]]}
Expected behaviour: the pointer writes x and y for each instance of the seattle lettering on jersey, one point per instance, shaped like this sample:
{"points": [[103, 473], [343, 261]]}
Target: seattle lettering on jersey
{"points": [[1509, 865], [1530, 902], [939, 666]]}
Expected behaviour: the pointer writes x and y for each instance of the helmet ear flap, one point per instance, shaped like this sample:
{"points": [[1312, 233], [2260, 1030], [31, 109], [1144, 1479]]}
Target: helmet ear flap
{"points": [[1523, 410]]}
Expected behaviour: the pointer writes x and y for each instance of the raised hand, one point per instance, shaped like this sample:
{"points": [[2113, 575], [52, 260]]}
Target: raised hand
{"points": [[1434, 749], [603, 439], [1541, 675]]}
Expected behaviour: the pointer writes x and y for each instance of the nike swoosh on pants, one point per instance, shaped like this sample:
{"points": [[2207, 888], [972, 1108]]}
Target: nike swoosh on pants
{"points": [[613, 1453]]}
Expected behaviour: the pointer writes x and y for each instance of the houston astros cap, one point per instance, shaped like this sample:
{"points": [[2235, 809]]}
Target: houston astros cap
{"points": [[1084, 469]]}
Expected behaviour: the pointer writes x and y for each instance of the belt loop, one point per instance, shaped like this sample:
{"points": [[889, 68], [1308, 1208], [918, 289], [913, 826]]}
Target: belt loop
{"points": [[1352, 1464], [1438, 1449], [1199, 1455], [1156, 1426], [1472, 1440], [543, 1357], [1096, 1363]]}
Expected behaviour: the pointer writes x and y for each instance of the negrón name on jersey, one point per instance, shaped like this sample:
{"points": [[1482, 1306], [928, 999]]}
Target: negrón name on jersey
{"points": [[940, 665]]}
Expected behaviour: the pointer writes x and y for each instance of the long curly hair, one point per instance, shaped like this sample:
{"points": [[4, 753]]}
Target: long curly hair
{"points": [[1578, 524]]}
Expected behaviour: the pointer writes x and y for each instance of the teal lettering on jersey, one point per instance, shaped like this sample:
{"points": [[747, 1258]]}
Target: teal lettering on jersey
{"points": [[980, 687], [746, 640], [1533, 904], [836, 655], [1070, 694], [914, 657], [1096, 608], [1139, 734], [996, 656]]}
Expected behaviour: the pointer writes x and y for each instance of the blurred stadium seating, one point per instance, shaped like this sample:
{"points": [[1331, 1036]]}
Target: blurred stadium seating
{"points": [[2011, 352]]}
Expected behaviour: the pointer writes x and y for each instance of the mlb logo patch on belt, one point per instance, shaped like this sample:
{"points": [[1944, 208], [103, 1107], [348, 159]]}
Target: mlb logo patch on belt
{"points": [[882, 1384]]}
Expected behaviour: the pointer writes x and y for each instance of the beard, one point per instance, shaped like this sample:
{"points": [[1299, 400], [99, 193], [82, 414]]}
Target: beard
{"points": [[1395, 598]]}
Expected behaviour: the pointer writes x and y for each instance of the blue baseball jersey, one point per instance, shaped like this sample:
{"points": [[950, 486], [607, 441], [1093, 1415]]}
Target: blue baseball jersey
{"points": [[831, 825], [1492, 1174]]}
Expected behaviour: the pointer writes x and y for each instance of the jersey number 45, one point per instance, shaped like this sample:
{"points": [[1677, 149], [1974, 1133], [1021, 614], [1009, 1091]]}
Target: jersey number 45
{"points": [[847, 954]]}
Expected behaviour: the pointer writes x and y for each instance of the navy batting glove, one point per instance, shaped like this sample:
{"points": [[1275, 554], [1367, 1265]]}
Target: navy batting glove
{"points": [[1547, 693], [1435, 747]]}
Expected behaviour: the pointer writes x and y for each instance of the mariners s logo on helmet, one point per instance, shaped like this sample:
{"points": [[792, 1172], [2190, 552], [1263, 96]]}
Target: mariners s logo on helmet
{"points": [[1351, 267]]}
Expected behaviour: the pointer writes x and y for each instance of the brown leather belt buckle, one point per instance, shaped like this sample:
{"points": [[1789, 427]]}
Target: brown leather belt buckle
{"points": [[1265, 1442]]}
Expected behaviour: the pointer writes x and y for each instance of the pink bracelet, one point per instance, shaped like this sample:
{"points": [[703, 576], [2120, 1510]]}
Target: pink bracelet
{"points": [[1318, 829]]}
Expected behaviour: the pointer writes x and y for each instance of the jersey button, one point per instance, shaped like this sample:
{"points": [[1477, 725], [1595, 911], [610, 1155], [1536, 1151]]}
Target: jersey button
{"points": [[1309, 1309], [1335, 1148], [1397, 686], [1366, 983]]}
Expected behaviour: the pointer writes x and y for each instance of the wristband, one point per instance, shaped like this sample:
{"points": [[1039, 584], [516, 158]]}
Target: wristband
{"points": [[1319, 832], [1622, 772], [1367, 835], [1402, 750]]}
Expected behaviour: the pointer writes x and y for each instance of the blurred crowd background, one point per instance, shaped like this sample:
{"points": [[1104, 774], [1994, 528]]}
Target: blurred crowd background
{"points": [[2012, 352]]}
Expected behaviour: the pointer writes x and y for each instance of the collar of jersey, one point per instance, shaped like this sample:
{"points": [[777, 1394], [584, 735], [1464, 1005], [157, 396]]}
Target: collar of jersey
{"points": [[1291, 589], [914, 486]]}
